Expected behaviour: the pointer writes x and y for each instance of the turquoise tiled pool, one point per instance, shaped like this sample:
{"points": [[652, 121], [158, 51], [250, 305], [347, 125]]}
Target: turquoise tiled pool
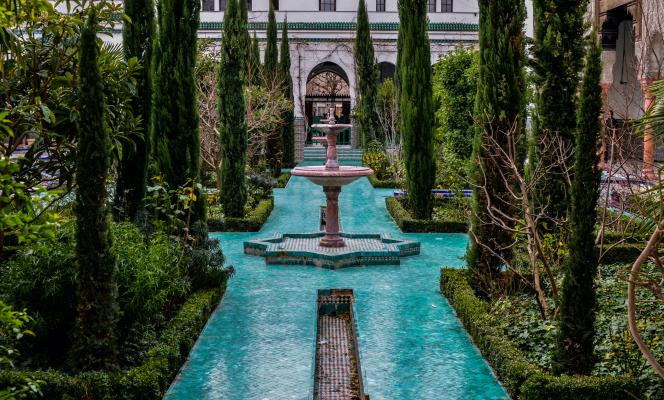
{"points": [[258, 344]]}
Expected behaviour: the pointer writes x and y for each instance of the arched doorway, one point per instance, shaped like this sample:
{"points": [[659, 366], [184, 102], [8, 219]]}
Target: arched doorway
{"points": [[328, 87], [387, 70]]}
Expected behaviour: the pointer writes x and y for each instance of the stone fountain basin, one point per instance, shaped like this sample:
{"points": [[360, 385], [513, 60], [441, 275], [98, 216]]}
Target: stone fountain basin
{"points": [[332, 177]]}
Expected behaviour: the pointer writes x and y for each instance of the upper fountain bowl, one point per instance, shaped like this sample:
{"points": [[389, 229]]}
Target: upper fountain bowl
{"points": [[325, 177]]}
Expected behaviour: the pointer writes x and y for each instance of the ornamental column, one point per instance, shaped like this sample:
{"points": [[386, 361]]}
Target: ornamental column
{"points": [[648, 140], [606, 82]]}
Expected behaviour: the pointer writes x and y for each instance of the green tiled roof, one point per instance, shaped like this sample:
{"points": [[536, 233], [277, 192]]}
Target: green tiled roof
{"points": [[346, 26]]}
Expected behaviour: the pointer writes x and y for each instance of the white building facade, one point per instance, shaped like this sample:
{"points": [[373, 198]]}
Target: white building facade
{"points": [[322, 35]]}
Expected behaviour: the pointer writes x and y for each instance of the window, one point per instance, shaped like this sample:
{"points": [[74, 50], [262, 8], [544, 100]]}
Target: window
{"points": [[380, 5], [222, 5], [432, 5], [327, 5], [249, 5], [275, 4], [446, 6], [208, 5]]}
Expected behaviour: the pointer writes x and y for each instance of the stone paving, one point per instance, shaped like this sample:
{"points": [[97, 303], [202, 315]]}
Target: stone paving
{"points": [[352, 244]]}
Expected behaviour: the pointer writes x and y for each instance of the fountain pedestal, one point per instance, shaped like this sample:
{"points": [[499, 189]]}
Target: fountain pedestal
{"points": [[332, 237]]}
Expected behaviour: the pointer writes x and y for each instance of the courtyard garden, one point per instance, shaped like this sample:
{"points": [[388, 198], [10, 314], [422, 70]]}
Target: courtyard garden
{"points": [[501, 246]]}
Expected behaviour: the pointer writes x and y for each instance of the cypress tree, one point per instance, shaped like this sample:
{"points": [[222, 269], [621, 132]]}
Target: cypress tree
{"points": [[132, 168], [367, 76], [254, 62], [288, 116], [246, 40], [271, 75], [416, 106], [576, 330], [97, 311], [232, 113], [558, 60], [499, 107], [174, 118], [270, 63]]}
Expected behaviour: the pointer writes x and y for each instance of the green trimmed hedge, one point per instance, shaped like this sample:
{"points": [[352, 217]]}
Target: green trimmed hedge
{"points": [[250, 223], [407, 223], [523, 379], [148, 381], [379, 184], [622, 253], [282, 180]]}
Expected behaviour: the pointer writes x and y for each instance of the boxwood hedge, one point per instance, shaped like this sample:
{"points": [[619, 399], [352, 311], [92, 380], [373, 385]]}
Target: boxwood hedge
{"points": [[523, 379], [380, 184], [407, 223], [148, 381], [250, 223]]}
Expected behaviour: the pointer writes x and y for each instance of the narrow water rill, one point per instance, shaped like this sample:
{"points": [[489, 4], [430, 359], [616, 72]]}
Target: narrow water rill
{"points": [[260, 342]]}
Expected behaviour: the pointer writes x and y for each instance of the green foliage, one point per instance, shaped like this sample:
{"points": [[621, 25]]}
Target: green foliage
{"points": [[378, 162], [23, 218], [252, 222], [272, 76], [171, 210], [386, 106], [40, 75], [499, 108], [384, 184], [282, 180], [254, 63], [232, 114], [407, 223], [148, 381], [132, 168], [522, 379], [155, 275], [12, 329], [288, 116], [174, 119], [558, 59], [454, 89], [574, 353], [94, 333], [367, 78], [416, 105], [271, 60]]}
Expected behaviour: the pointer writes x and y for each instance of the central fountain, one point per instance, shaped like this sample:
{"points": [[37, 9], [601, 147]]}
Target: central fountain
{"points": [[332, 248], [331, 177]]}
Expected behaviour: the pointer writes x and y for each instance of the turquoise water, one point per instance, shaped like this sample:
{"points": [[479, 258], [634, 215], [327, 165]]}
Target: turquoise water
{"points": [[258, 344]]}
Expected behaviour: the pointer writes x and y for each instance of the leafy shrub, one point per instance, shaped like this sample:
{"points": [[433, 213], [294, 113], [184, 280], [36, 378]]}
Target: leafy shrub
{"points": [[147, 381], [405, 221], [523, 379], [154, 277], [378, 162], [384, 184], [282, 180]]}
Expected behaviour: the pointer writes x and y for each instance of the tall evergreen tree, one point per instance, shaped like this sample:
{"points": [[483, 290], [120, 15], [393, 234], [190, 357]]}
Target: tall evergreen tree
{"points": [[367, 76], [288, 116], [416, 106], [271, 75], [499, 108], [576, 330], [271, 61], [132, 168], [254, 61], [246, 42], [232, 113], [558, 60], [97, 310], [174, 118]]}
